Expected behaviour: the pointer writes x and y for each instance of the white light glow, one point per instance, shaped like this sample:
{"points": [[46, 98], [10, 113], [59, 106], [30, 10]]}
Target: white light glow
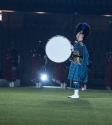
{"points": [[108, 15], [8, 11], [44, 77], [40, 12]]}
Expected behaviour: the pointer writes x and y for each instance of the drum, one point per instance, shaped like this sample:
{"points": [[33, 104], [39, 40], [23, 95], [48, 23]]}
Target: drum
{"points": [[58, 49]]}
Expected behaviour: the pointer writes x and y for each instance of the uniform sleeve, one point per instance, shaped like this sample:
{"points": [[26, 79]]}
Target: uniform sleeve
{"points": [[18, 59], [45, 58], [78, 50]]}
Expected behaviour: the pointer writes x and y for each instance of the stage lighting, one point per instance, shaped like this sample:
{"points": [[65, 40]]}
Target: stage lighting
{"points": [[44, 77]]}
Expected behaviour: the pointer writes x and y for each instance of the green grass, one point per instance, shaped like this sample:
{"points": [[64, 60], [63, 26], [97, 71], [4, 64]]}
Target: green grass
{"points": [[50, 106]]}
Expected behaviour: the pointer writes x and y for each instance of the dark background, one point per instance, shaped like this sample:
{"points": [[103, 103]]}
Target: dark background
{"points": [[25, 27]]}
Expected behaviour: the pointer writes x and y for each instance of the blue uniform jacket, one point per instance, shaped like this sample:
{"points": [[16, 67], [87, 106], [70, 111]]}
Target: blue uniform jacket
{"points": [[78, 71]]}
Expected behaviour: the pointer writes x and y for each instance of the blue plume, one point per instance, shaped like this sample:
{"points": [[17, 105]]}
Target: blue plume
{"points": [[83, 26]]}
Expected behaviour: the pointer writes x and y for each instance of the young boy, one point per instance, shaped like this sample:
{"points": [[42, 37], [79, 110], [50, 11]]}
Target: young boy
{"points": [[78, 66]]}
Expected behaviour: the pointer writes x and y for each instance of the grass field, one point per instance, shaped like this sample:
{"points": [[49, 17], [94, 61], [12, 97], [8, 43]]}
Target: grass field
{"points": [[50, 106]]}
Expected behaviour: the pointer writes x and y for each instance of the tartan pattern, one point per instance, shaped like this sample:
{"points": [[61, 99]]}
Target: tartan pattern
{"points": [[76, 86], [79, 72], [36, 67], [9, 75], [60, 73]]}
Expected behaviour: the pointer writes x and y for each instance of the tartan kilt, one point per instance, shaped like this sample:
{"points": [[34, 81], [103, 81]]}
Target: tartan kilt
{"points": [[36, 68], [9, 74], [75, 73], [60, 73]]}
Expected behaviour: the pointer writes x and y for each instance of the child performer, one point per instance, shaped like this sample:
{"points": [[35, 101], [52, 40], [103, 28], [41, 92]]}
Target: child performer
{"points": [[78, 66]]}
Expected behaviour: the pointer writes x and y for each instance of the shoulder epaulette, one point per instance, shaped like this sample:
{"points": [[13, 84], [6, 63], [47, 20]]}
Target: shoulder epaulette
{"points": [[81, 43]]}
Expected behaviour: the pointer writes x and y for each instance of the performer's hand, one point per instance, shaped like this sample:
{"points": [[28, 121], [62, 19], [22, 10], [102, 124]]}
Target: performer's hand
{"points": [[72, 48]]}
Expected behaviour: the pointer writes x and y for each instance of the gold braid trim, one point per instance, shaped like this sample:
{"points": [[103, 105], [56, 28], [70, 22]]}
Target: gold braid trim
{"points": [[77, 59]]}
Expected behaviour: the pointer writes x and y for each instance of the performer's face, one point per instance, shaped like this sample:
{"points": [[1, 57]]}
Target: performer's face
{"points": [[79, 37]]}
